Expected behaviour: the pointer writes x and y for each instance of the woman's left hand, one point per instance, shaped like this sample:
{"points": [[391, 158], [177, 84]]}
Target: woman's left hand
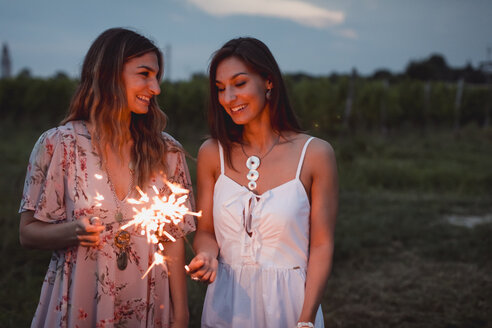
{"points": [[203, 267]]}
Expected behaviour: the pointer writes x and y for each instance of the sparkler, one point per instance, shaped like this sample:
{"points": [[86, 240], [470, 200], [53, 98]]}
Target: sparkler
{"points": [[162, 211], [152, 220]]}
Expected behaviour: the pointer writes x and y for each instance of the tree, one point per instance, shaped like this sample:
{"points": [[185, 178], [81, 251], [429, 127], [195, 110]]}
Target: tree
{"points": [[6, 62], [434, 68]]}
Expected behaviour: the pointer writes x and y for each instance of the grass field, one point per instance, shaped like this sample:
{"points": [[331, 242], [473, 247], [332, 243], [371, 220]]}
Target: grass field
{"points": [[398, 261]]}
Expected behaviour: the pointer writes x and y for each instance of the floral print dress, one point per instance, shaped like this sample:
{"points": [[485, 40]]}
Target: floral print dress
{"points": [[83, 286]]}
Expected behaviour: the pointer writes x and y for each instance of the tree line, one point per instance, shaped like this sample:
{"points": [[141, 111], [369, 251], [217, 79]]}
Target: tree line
{"points": [[428, 95]]}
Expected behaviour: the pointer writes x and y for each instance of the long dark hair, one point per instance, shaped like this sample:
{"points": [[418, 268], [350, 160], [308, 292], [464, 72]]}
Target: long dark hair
{"points": [[101, 98], [256, 55]]}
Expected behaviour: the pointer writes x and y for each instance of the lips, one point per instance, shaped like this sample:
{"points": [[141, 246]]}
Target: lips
{"points": [[144, 99], [237, 108]]}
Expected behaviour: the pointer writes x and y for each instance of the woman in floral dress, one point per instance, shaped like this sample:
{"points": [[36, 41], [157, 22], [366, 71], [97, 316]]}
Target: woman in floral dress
{"points": [[75, 200]]}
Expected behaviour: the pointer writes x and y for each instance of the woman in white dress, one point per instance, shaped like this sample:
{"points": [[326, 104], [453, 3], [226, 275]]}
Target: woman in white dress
{"points": [[269, 197]]}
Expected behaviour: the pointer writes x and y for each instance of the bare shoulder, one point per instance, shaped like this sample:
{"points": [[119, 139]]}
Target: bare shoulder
{"points": [[320, 155], [317, 147], [320, 147], [209, 149], [208, 155]]}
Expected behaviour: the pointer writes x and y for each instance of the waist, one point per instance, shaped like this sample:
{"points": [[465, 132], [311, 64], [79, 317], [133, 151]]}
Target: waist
{"points": [[263, 259], [254, 251], [258, 266]]}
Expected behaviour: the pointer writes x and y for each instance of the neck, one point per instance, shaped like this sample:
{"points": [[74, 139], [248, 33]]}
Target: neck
{"points": [[259, 136], [259, 142], [125, 130], [123, 146]]}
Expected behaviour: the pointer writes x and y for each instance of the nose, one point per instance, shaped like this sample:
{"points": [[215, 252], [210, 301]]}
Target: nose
{"points": [[154, 87], [229, 95]]}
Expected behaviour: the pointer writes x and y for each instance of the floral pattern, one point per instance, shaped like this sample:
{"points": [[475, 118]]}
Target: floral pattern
{"points": [[83, 286]]}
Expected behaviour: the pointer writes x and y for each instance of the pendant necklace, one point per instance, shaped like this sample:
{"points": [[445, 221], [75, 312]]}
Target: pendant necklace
{"points": [[253, 163], [122, 237]]}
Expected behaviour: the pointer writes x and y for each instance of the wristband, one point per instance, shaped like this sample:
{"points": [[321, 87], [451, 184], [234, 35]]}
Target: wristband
{"points": [[305, 324]]}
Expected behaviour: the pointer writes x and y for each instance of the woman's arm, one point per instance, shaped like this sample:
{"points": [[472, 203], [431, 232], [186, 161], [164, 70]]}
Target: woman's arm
{"points": [[37, 234], [44, 190], [321, 162], [204, 265], [175, 254]]}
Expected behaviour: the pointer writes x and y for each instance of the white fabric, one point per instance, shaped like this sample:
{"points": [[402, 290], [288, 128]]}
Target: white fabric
{"points": [[261, 276]]}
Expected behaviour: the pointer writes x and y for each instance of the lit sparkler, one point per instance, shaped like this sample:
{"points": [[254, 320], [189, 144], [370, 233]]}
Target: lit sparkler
{"points": [[152, 220], [162, 211]]}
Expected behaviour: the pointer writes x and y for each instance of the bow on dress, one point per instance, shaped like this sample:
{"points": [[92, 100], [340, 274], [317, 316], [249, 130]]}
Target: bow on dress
{"points": [[247, 206]]}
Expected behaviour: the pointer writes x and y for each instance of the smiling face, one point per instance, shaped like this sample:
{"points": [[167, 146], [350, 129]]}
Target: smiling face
{"points": [[141, 82], [241, 91]]}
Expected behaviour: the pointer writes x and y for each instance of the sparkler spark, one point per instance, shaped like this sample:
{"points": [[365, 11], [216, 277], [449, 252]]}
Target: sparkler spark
{"points": [[152, 220], [162, 211], [158, 259], [98, 199]]}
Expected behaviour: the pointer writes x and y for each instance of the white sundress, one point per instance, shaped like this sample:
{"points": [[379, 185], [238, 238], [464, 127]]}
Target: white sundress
{"points": [[261, 278]]}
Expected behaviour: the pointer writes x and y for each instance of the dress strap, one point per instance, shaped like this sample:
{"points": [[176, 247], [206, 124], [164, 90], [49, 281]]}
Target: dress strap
{"points": [[221, 155], [301, 160]]}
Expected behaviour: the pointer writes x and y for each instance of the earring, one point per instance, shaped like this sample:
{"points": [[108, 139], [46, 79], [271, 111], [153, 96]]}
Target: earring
{"points": [[268, 94]]}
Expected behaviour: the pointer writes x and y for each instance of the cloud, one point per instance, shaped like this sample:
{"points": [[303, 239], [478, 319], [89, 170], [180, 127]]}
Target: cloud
{"points": [[349, 34], [296, 10]]}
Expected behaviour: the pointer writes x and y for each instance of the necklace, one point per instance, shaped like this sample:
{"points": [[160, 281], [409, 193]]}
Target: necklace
{"points": [[253, 163], [122, 237]]}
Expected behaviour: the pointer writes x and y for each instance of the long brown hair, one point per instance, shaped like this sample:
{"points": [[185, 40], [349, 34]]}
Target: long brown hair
{"points": [[256, 55], [101, 99]]}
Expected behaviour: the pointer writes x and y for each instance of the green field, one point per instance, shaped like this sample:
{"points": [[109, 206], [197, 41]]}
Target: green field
{"points": [[399, 262]]}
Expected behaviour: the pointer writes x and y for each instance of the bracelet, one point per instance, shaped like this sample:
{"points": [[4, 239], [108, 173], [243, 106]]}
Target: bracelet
{"points": [[305, 324]]}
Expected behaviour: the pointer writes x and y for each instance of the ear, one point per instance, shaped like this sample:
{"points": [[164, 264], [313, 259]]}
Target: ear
{"points": [[268, 84]]}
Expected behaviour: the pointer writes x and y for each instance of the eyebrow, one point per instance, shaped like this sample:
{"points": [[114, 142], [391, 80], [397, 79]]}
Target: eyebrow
{"points": [[147, 67], [234, 76]]}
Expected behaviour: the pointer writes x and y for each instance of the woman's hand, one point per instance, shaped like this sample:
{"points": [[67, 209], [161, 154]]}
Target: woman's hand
{"points": [[43, 235], [203, 267], [88, 231]]}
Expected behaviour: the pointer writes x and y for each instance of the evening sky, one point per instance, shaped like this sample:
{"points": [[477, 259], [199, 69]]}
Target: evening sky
{"points": [[316, 37]]}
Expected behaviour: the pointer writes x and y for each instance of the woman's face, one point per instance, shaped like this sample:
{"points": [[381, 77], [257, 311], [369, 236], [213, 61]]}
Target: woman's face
{"points": [[141, 83], [241, 91]]}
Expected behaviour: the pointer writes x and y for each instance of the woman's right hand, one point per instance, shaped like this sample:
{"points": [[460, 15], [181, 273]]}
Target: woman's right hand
{"points": [[88, 231], [37, 234], [203, 267]]}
